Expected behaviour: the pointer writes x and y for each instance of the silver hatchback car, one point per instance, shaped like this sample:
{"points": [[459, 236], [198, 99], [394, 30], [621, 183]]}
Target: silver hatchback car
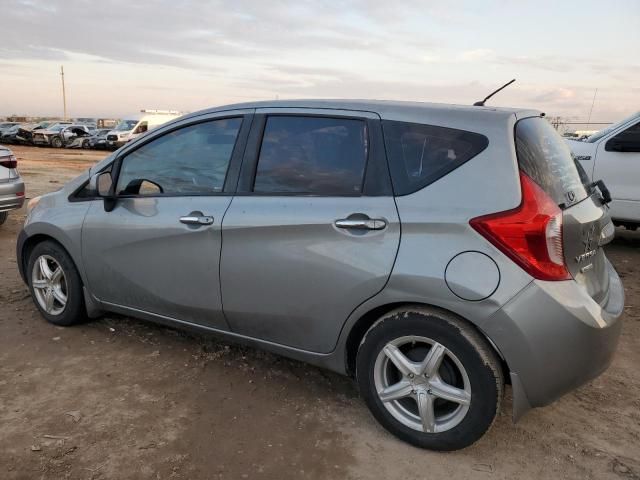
{"points": [[433, 252], [11, 184]]}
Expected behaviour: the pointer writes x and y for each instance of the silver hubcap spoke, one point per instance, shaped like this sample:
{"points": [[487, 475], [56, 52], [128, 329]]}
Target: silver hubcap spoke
{"points": [[447, 392], [402, 363], [59, 296], [415, 392], [396, 391], [49, 285], [39, 284], [427, 414], [433, 360], [44, 268]]}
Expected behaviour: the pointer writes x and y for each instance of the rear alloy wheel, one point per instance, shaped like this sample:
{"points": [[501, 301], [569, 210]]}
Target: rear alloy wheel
{"points": [[440, 402], [55, 285], [430, 378], [56, 142]]}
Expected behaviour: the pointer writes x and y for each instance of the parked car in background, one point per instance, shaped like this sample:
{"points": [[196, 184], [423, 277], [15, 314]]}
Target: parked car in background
{"points": [[432, 251], [98, 139], [11, 185], [76, 137], [613, 156], [26, 131], [9, 135], [6, 125], [134, 125], [60, 134]]}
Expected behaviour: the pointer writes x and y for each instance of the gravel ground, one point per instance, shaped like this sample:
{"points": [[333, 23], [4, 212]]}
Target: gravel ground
{"points": [[119, 398]]}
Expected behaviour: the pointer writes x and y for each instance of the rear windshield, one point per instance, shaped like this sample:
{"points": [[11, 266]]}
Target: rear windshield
{"points": [[546, 158]]}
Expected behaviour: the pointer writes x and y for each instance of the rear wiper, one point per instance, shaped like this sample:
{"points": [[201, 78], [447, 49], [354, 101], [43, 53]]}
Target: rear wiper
{"points": [[605, 195]]}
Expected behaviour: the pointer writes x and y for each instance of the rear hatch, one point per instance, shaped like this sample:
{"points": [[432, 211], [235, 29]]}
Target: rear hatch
{"points": [[586, 225]]}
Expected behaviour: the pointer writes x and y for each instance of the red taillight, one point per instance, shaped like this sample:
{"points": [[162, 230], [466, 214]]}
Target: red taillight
{"points": [[531, 234], [9, 162]]}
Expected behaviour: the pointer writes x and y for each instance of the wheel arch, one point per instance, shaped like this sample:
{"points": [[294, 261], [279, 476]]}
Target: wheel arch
{"points": [[26, 246], [365, 321]]}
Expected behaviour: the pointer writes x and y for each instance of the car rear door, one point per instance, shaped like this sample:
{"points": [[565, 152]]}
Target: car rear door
{"points": [[313, 230], [158, 250], [586, 224]]}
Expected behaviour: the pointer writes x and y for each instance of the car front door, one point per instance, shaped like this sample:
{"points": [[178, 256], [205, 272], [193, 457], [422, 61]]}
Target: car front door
{"points": [[313, 230], [618, 164], [158, 250]]}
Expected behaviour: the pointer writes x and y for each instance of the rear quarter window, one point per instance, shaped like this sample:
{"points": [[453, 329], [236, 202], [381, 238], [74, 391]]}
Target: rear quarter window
{"points": [[545, 157], [421, 154]]}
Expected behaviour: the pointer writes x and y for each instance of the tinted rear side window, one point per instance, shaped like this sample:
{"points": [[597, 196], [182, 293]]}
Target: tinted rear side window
{"points": [[421, 154], [546, 158], [312, 155]]}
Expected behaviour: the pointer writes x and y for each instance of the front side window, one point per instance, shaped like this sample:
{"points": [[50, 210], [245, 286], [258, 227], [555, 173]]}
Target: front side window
{"points": [[625, 141], [312, 155], [192, 160], [421, 154]]}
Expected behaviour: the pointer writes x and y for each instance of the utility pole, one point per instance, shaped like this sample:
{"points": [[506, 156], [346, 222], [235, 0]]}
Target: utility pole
{"points": [[64, 95], [592, 103]]}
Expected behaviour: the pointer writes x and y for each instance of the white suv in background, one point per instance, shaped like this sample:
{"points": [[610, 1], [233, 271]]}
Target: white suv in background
{"points": [[11, 185], [613, 155]]}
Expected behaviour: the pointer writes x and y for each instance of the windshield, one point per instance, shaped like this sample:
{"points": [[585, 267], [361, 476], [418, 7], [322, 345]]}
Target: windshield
{"points": [[125, 125], [598, 135], [545, 157], [56, 128]]}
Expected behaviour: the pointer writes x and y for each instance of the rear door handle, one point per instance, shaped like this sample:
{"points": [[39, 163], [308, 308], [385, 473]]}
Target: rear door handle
{"points": [[365, 224], [196, 220]]}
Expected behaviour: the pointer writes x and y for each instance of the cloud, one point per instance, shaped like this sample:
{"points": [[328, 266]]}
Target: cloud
{"points": [[478, 54], [181, 33]]}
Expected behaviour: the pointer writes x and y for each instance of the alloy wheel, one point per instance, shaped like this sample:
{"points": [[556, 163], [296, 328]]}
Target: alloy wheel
{"points": [[422, 384], [49, 285]]}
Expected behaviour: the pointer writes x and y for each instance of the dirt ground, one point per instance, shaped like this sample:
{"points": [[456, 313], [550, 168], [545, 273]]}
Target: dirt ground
{"points": [[118, 398]]}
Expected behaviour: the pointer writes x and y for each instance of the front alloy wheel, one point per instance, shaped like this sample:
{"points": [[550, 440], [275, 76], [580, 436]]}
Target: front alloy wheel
{"points": [[49, 285], [55, 284]]}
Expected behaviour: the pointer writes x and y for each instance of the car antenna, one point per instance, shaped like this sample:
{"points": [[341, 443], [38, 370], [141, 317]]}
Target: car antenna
{"points": [[481, 102]]}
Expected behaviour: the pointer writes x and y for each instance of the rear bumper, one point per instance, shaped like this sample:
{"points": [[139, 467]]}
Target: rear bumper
{"points": [[555, 337], [9, 195]]}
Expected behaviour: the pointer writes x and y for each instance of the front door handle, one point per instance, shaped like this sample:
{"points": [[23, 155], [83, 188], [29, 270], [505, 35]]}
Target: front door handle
{"points": [[361, 224], [197, 220]]}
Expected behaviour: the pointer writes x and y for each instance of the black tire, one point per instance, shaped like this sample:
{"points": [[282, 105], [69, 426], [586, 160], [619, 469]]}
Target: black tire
{"points": [[3, 217], [56, 142], [472, 350], [74, 311]]}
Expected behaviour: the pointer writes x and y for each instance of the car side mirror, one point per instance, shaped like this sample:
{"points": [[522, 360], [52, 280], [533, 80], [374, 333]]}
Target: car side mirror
{"points": [[102, 184]]}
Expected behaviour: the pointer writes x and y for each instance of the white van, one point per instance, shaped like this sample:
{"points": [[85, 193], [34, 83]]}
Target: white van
{"points": [[613, 155], [134, 125]]}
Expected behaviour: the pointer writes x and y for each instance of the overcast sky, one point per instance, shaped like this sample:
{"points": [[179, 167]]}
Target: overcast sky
{"points": [[120, 56]]}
